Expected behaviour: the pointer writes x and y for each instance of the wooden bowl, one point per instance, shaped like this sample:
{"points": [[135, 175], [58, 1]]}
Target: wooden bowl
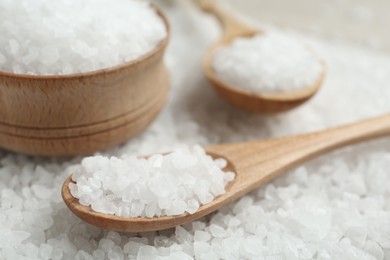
{"points": [[82, 113]]}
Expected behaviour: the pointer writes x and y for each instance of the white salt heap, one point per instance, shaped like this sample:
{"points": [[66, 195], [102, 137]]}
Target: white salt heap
{"points": [[44, 37], [161, 185], [335, 207], [267, 63]]}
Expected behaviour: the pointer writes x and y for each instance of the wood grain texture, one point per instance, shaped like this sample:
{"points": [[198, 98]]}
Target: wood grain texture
{"points": [[88, 140], [250, 101], [82, 113], [255, 163]]}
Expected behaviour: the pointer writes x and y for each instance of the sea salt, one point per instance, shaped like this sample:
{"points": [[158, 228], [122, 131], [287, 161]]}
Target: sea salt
{"points": [[254, 226], [172, 184], [43, 37], [271, 62]]}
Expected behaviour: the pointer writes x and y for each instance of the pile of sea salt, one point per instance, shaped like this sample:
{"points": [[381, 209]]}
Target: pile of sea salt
{"points": [[267, 63], [44, 37], [160, 185]]}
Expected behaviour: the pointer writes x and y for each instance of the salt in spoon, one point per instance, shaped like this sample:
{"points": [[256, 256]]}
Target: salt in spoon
{"points": [[261, 103], [254, 163]]}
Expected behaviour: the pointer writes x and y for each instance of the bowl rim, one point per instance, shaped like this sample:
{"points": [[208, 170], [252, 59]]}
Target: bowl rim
{"points": [[159, 47]]}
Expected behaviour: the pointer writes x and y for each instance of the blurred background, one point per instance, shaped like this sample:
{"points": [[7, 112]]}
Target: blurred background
{"points": [[366, 22]]}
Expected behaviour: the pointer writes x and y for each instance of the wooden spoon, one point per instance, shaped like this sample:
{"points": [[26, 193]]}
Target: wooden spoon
{"points": [[264, 103], [254, 163]]}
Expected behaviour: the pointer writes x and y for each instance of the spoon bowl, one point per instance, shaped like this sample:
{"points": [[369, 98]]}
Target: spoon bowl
{"points": [[254, 163], [126, 224], [261, 103]]}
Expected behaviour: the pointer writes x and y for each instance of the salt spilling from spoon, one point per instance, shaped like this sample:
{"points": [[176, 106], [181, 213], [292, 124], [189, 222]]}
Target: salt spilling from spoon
{"points": [[161, 185]]}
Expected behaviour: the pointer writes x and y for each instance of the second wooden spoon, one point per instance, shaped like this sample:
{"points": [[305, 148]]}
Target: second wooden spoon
{"points": [[261, 103]]}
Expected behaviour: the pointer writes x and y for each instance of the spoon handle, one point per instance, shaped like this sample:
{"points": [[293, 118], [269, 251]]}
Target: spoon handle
{"points": [[261, 161], [232, 26]]}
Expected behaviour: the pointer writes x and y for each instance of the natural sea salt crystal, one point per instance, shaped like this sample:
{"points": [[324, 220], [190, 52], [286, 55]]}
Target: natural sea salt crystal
{"points": [[172, 184], [267, 63], [44, 37]]}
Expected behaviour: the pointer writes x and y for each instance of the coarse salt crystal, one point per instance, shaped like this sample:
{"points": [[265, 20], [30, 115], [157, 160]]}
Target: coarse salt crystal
{"points": [[267, 63], [46, 38], [172, 184]]}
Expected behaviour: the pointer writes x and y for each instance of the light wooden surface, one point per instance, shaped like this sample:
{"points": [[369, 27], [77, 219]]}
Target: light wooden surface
{"points": [[84, 140], [254, 102], [255, 163], [82, 113]]}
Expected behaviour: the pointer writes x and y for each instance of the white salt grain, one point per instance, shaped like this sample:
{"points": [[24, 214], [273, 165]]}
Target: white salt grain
{"points": [[183, 235], [106, 244], [200, 236], [82, 255], [147, 253], [45, 251], [374, 249], [98, 254], [70, 36], [192, 206], [217, 231], [41, 192], [267, 63], [115, 237], [172, 184], [115, 253]]}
